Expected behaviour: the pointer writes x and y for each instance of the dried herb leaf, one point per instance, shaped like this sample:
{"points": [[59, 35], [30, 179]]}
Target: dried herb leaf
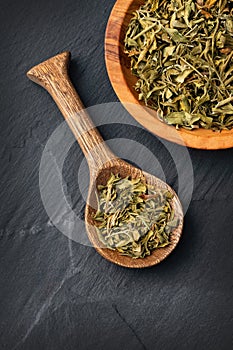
{"points": [[184, 48], [133, 217]]}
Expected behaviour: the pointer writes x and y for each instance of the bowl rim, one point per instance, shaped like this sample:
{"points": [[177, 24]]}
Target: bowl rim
{"points": [[117, 64]]}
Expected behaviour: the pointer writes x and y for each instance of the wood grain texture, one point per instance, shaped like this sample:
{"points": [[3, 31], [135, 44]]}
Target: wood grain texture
{"points": [[53, 76], [118, 67]]}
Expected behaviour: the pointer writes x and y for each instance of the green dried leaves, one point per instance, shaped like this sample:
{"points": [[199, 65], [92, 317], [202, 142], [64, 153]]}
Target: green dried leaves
{"points": [[181, 51], [132, 217]]}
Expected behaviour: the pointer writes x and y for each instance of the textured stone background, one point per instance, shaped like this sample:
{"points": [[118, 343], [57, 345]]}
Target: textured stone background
{"points": [[56, 293]]}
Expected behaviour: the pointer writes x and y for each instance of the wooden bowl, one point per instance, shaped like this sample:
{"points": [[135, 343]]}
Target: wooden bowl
{"points": [[118, 67]]}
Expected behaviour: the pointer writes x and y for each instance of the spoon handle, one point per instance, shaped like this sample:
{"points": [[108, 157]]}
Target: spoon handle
{"points": [[53, 76]]}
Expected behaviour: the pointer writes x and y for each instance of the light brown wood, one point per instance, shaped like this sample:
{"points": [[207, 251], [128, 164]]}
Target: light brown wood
{"points": [[118, 67], [53, 76]]}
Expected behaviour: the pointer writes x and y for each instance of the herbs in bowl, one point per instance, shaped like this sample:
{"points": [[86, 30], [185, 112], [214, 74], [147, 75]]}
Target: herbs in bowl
{"points": [[133, 217], [181, 52]]}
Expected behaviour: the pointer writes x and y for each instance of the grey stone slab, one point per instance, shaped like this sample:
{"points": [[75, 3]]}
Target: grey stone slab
{"points": [[56, 293]]}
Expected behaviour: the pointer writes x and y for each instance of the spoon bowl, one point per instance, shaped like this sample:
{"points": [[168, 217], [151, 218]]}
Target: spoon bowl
{"points": [[53, 76], [118, 166]]}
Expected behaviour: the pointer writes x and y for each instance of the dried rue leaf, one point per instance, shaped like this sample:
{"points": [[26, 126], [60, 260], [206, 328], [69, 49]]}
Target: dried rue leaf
{"points": [[132, 217], [181, 52]]}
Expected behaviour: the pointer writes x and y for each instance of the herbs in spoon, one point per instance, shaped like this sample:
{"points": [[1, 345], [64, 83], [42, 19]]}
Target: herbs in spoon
{"points": [[133, 217], [181, 51]]}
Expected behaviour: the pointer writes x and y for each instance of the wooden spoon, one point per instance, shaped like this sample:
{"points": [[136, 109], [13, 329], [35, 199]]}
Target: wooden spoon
{"points": [[53, 76]]}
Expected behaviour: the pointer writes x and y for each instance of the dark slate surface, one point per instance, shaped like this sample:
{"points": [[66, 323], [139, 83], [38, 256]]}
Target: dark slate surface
{"points": [[59, 294]]}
